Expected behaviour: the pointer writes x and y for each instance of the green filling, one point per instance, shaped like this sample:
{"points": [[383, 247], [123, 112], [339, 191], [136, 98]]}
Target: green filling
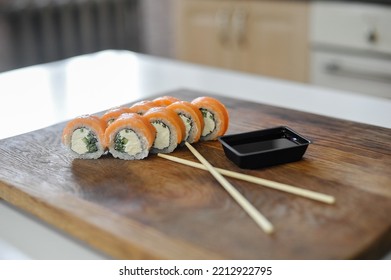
{"points": [[120, 142], [90, 141], [203, 111], [204, 114]]}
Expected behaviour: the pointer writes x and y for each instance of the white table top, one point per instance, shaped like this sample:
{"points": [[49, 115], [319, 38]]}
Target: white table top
{"points": [[42, 95]]}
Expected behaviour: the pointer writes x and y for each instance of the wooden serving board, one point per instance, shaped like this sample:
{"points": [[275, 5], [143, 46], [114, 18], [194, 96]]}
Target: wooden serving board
{"points": [[158, 209]]}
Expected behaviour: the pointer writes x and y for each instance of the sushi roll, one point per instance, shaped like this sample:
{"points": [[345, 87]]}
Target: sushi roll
{"points": [[191, 118], [112, 114], [130, 137], [84, 137], [215, 117], [170, 129], [141, 107], [164, 101]]}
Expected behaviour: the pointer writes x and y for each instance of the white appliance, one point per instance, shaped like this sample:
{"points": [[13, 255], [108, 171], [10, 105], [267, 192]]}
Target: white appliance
{"points": [[351, 46]]}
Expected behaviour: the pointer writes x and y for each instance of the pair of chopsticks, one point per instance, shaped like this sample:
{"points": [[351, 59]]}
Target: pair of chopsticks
{"points": [[217, 173]]}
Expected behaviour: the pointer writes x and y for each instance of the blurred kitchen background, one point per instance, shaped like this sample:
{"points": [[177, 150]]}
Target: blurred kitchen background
{"points": [[339, 44]]}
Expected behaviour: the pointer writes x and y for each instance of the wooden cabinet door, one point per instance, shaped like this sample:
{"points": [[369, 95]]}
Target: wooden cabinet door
{"points": [[278, 40], [204, 35], [263, 37]]}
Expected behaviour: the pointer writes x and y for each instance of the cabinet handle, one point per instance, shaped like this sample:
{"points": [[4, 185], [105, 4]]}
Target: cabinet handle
{"points": [[239, 20], [353, 71], [222, 19]]}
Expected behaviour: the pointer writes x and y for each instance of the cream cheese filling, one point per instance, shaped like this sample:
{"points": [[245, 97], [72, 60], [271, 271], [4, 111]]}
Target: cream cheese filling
{"points": [[78, 143], [162, 139], [133, 144], [187, 122], [209, 123]]}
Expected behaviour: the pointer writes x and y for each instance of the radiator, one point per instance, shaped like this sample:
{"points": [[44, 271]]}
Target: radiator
{"points": [[49, 30]]}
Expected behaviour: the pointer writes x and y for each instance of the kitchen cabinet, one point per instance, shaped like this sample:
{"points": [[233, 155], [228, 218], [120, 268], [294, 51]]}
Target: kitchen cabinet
{"points": [[353, 51], [263, 37]]}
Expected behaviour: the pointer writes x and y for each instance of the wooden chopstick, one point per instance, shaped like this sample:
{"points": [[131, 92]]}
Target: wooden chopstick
{"points": [[256, 180], [258, 218]]}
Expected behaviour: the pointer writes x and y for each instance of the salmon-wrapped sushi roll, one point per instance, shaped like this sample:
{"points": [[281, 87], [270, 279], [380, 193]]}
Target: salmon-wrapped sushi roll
{"points": [[170, 129], [141, 107], [112, 114], [164, 101], [130, 137], [84, 137], [215, 117], [191, 118]]}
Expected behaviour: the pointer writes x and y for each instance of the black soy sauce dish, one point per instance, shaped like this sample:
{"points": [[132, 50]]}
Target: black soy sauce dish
{"points": [[262, 148]]}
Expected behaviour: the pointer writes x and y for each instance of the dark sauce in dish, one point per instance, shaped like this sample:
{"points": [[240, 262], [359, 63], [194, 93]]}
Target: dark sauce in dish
{"points": [[264, 145]]}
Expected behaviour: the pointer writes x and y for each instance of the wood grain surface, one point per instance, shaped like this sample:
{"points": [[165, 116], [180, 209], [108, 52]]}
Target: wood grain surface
{"points": [[157, 209]]}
